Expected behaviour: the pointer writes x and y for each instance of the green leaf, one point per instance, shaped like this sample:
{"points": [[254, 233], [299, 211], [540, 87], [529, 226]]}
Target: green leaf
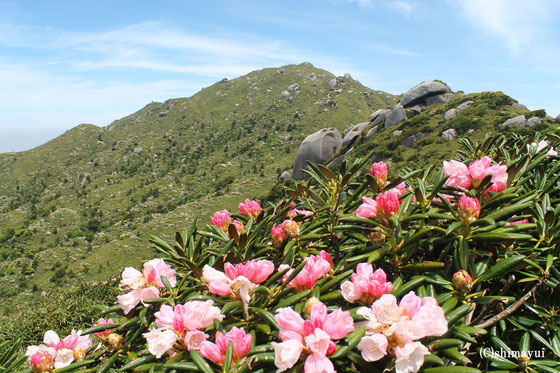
{"points": [[352, 341], [457, 313], [228, 357], [200, 362], [452, 369], [502, 267], [408, 286], [108, 363]]}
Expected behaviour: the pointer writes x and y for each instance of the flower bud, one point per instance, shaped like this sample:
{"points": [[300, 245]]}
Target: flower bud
{"points": [[115, 340], [79, 354], [291, 228], [379, 172], [462, 281], [41, 361], [309, 305], [469, 209], [278, 235]]}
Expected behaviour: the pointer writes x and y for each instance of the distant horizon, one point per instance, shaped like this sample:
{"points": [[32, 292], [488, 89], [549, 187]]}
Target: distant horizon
{"points": [[95, 63]]}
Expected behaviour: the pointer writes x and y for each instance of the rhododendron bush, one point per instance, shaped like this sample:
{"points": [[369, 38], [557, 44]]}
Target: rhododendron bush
{"points": [[354, 271]]}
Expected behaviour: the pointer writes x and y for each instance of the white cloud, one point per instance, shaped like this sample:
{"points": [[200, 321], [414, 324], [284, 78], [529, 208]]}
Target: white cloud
{"points": [[519, 24], [404, 7]]}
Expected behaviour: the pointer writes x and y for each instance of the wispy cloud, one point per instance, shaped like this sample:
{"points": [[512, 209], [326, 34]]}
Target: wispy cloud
{"points": [[519, 24]]}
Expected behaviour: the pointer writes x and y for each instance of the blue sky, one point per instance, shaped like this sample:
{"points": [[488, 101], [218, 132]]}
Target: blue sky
{"points": [[63, 63]]}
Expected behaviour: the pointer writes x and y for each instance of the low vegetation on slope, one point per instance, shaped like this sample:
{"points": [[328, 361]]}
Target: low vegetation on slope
{"points": [[450, 268], [83, 205]]}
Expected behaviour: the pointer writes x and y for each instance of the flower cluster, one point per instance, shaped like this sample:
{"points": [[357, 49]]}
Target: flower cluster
{"points": [[379, 172], [366, 286], [181, 324], [462, 177], [216, 352], [314, 337], [384, 206], [107, 336], [288, 228], [238, 280], [56, 353], [540, 146], [145, 284], [316, 266], [222, 220], [250, 208], [395, 328]]}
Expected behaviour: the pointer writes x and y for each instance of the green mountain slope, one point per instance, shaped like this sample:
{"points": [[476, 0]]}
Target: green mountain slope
{"points": [[80, 207]]}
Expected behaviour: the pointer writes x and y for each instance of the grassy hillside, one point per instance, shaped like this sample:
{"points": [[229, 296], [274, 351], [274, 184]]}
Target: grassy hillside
{"points": [[80, 207]]}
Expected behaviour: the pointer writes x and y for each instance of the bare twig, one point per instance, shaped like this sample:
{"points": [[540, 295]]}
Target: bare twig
{"points": [[511, 309], [493, 302]]}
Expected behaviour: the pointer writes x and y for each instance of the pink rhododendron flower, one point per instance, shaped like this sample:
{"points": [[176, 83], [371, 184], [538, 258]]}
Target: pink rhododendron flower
{"points": [[314, 336], [379, 172], [387, 205], [394, 328], [366, 286], [368, 209], [41, 361], [278, 235], [64, 351], [160, 341], [469, 209], [250, 208], [316, 266], [106, 332], [238, 280], [221, 219], [410, 357], [294, 212], [145, 284], [216, 352], [458, 174], [479, 169], [185, 321], [239, 227], [523, 221], [540, 146]]}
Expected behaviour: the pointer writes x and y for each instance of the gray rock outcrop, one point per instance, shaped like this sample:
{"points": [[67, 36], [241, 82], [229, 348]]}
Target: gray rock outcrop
{"points": [[518, 121], [396, 116], [557, 118], [411, 140], [317, 148], [450, 114], [464, 105], [533, 121], [285, 176], [379, 116], [353, 134], [418, 94], [438, 99], [449, 134], [332, 83], [293, 87], [285, 95], [372, 132], [519, 106]]}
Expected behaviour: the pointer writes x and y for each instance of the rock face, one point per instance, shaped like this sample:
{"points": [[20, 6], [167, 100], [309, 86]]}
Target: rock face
{"points": [[353, 134], [557, 119], [532, 121], [518, 121], [379, 116], [332, 83], [411, 140], [372, 132], [418, 94], [285, 176], [396, 116], [438, 99], [450, 114], [464, 105], [449, 134], [317, 148], [519, 106]]}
